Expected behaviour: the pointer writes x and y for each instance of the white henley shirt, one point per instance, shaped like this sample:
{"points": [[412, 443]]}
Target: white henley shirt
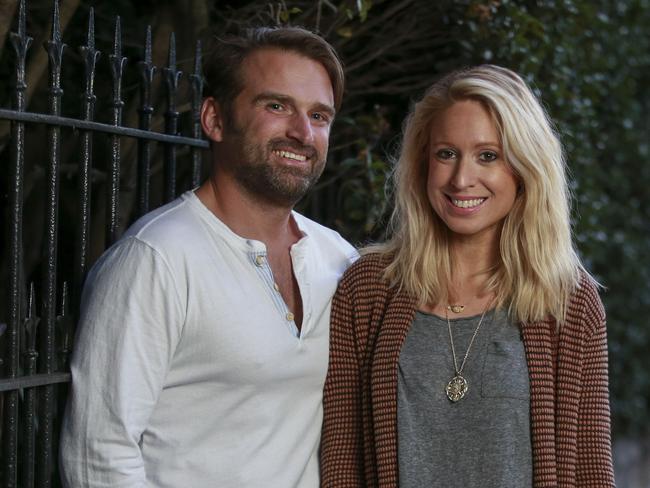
{"points": [[188, 370]]}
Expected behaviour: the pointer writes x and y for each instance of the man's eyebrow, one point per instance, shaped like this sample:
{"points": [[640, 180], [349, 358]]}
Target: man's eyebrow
{"points": [[266, 96], [323, 107], [318, 107]]}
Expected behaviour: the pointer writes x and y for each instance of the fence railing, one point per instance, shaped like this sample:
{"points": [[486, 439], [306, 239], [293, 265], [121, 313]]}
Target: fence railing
{"points": [[36, 337]]}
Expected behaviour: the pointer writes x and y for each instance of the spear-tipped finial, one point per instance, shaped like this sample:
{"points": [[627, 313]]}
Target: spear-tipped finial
{"points": [[22, 19], [172, 74], [197, 58], [117, 64], [147, 69], [90, 36], [89, 51], [171, 60], [197, 82], [31, 305], [91, 55], [117, 39], [147, 46], [56, 22], [21, 42], [55, 49]]}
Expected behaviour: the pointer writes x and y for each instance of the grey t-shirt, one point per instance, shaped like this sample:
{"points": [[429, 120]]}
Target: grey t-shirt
{"points": [[483, 440]]}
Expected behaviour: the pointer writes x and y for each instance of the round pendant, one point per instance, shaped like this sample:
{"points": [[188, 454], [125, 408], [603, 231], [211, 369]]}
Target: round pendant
{"points": [[456, 388]]}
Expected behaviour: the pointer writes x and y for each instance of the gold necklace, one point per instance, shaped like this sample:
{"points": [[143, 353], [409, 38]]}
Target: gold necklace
{"points": [[457, 386], [455, 308]]}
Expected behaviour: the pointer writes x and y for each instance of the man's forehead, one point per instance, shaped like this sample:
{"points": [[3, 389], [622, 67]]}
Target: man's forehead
{"points": [[287, 72]]}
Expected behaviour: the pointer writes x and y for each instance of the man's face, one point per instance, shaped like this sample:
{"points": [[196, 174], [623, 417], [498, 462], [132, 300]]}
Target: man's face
{"points": [[275, 140]]}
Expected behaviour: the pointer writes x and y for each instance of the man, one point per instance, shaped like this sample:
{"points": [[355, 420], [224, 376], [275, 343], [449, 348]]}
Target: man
{"points": [[203, 341]]}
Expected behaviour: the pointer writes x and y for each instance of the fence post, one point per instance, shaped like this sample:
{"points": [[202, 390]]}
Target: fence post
{"points": [[113, 204], [21, 42], [90, 57], [55, 48], [30, 329], [147, 71]]}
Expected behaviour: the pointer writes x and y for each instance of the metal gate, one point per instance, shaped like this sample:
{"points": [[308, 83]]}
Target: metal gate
{"points": [[36, 335]]}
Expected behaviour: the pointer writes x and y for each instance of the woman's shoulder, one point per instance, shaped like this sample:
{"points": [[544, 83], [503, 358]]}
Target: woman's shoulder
{"points": [[585, 304], [365, 279], [368, 268]]}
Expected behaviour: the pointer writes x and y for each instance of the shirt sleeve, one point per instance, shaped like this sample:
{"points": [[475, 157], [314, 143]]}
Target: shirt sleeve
{"points": [[594, 439], [342, 436], [130, 322]]}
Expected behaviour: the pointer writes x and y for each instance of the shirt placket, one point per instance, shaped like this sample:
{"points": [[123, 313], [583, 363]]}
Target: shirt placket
{"points": [[259, 260]]}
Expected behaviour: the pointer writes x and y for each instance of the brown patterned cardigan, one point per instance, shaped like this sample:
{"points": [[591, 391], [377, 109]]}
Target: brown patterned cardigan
{"points": [[569, 399]]}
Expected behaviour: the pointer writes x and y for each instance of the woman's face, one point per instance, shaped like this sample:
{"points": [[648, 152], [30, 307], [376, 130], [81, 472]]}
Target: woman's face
{"points": [[470, 185]]}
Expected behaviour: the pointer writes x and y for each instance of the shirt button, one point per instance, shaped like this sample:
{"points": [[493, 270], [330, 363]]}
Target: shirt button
{"points": [[259, 260], [289, 316], [276, 287]]}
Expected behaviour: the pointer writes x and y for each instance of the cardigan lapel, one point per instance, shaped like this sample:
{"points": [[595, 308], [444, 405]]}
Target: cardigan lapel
{"points": [[394, 327], [540, 344]]}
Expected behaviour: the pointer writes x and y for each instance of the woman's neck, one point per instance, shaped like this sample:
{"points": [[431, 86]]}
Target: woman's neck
{"points": [[473, 262]]}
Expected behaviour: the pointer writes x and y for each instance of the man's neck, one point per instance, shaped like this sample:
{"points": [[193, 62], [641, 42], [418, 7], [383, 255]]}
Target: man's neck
{"points": [[253, 219], [247, 216]]}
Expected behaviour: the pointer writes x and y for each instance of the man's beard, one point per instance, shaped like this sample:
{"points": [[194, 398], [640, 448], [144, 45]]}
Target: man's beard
{"points": [[281, 185]]}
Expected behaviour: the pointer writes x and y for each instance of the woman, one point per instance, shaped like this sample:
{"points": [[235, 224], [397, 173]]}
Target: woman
{"points": [[469, 350]]}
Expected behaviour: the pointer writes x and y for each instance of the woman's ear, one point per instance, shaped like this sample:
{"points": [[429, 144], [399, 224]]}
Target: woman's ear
{"points": [[212, 119]]}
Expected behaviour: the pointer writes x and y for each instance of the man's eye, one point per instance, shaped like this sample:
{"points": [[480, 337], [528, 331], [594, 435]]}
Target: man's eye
{"points": [[488, 156], [275, 106], [319, 117], [445, 154]]}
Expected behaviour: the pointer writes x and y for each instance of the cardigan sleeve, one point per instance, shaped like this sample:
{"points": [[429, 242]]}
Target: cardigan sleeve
{"points": [[341, 441], [594, 452]]}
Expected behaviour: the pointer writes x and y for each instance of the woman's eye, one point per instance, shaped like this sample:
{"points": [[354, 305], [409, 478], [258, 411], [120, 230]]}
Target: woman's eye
{"points": [[488, 156], [445, 154]]}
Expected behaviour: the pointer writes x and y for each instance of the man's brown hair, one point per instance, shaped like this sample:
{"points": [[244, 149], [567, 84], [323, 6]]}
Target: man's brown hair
{"points": [[222, 63]]}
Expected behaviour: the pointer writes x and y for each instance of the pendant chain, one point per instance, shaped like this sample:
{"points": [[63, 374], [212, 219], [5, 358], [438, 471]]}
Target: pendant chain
{"points": [[457, 386], [451, 340]]}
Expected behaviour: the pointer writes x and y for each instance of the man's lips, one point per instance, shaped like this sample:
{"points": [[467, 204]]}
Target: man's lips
{"points": [[290, 155], [292, 151]]}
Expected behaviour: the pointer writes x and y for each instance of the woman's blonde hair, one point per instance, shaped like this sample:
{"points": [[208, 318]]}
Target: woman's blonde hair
{"points": [[539, 266]]}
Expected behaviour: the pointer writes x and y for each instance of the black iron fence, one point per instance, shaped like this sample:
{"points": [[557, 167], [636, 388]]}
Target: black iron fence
{"points": [[36, 335]]}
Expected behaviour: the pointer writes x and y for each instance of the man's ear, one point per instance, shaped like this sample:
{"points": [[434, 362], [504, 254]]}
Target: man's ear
{"points": [[212, 119]]}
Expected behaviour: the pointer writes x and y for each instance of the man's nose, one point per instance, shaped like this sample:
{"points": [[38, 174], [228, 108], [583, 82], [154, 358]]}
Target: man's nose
{"points": [[300, 128]]}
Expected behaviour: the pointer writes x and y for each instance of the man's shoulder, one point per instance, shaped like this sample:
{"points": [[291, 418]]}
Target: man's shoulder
{"points": [[154, 239], [325, 238], [173, 223]]}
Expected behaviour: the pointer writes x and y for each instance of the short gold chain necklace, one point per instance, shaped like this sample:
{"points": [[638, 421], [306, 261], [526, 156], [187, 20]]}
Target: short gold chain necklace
{"points": [[457, 386], [455, 308]]}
